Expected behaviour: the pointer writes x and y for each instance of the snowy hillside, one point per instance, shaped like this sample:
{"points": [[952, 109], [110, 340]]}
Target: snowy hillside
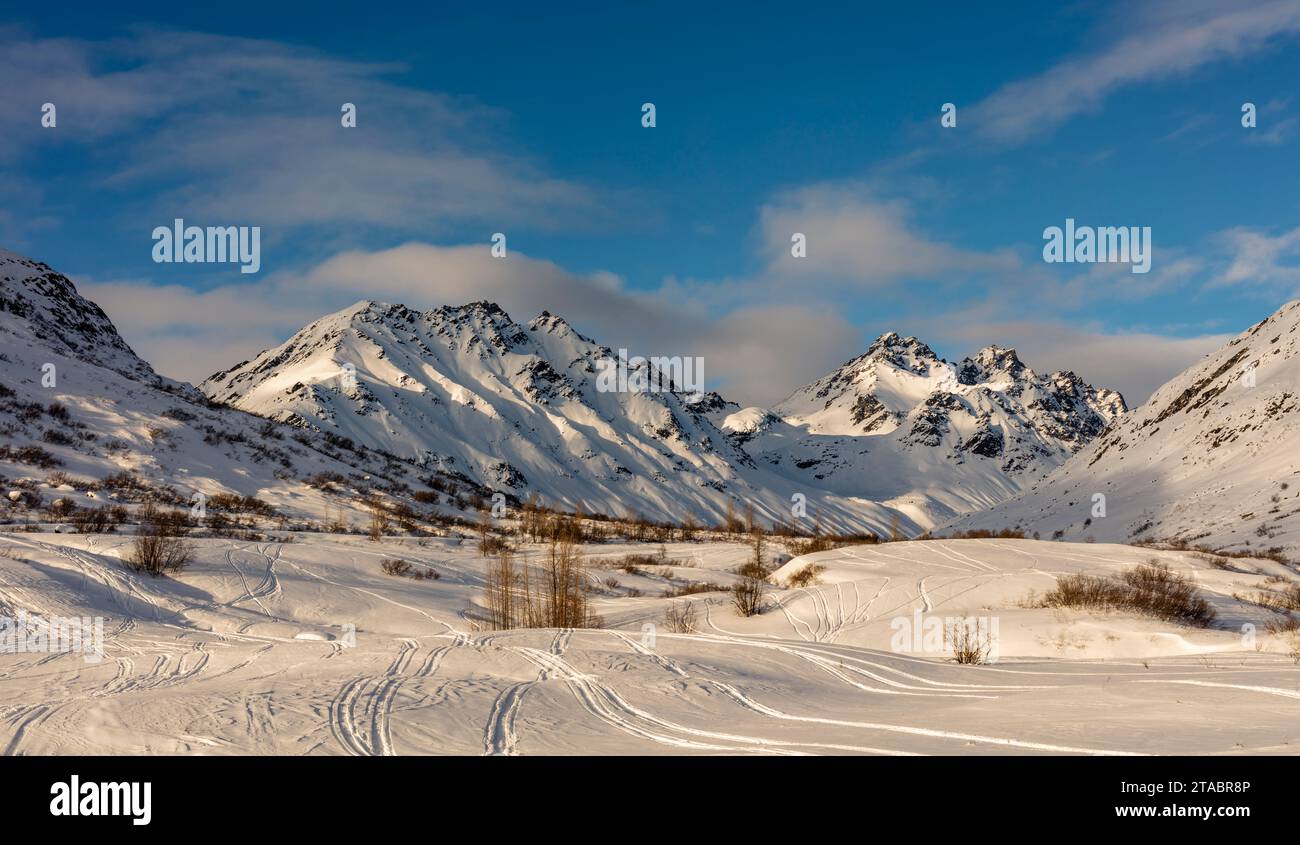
{"points": [[1211, 458], [86, 422], [309, 648]]}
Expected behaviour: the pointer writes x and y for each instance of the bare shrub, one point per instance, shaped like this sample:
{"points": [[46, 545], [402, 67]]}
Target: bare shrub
{"points": [[489, 546], [500, 586], [692, 587], [55, 437], [159, 545], [1161, 592], [1281, 601], [95, 520], [34, 455], [757, 567], [61, 508], [634, 564], [1282, 625], [561, 598], [553, 595], [395, 566], [984, 533], [679, 618], [747, 596], [378, 519], [326, 481], [816, 543], [235, 503], [1084, 591], [968, 646]]}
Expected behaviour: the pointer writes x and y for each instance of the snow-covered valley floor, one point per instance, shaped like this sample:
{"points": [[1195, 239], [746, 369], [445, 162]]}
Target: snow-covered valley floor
{"points": [[249, 652]]}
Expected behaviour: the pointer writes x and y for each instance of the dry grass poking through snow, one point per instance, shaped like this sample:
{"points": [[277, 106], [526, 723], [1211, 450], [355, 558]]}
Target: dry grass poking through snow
{"points": [[806, 577], [1286, 599], [1150, 588]]}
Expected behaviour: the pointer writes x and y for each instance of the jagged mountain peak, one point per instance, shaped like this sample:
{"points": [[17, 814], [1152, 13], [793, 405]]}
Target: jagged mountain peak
{"points": [[482, 310], [985, 426], [51, 312], [465, 388], [906, 353], [893, 340], [554, 324], [991, 362]]}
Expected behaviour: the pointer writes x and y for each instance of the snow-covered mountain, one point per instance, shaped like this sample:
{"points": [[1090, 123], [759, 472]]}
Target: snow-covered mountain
{"points": [[518, 407], [898, 421], [895, 436], [83, 418], [1213, 457]]}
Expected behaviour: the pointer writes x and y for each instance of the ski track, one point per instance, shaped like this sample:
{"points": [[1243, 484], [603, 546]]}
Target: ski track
{"points": [[750, 704], [359, 714], [499, 735], [354, 707]]}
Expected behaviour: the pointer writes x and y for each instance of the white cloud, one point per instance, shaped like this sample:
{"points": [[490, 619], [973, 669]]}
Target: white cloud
{"points": [[860, 240], [761, 336], [762, 353]]}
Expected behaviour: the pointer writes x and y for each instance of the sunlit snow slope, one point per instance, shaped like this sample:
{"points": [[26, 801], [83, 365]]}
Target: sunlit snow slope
{"points": [[1213, 457]]}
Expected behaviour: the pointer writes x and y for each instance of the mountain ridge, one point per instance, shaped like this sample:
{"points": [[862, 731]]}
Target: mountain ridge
{"points": [[442, 387], [896, 439]]}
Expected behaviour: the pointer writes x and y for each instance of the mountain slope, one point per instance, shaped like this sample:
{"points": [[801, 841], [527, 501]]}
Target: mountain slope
{"points": [[1213, 457], [83, 419]]}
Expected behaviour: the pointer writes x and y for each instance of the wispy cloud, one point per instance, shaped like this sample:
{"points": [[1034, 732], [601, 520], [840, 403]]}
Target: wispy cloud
{"points": [[1261, 261], [249, 130], [1162, 46]]}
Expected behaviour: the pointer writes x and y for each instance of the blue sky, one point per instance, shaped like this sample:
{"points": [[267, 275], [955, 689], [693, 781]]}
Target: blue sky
{"points": [[771, 119]]}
